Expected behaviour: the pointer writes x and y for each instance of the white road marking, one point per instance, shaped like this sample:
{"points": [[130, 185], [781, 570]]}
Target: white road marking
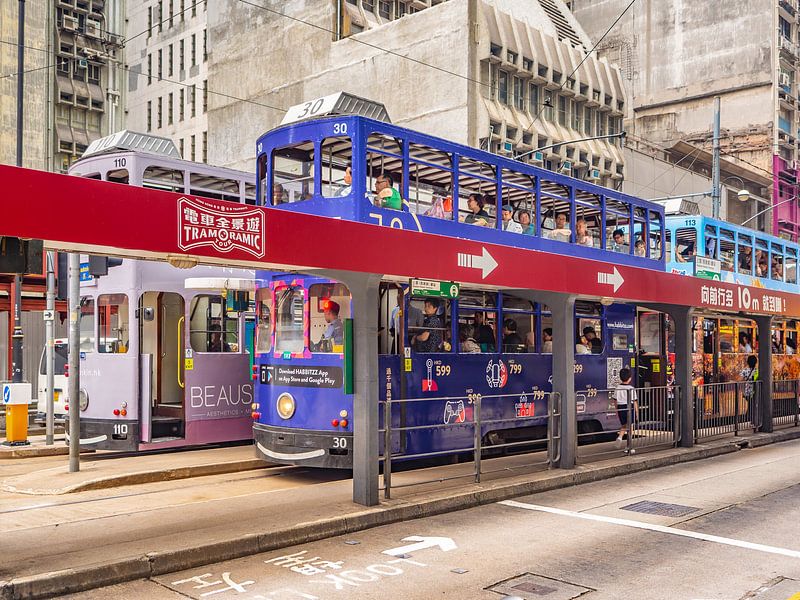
{"points": [[659, 528], [445, 544]]}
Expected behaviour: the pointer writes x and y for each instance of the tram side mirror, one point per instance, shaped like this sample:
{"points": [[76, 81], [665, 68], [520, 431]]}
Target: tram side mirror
{"points": [[148, 313]]}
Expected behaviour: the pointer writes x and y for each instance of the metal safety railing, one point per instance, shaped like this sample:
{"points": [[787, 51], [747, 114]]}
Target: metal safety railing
{"points": [[644, 417], [786, 402], [721, 408], [483, 422]]}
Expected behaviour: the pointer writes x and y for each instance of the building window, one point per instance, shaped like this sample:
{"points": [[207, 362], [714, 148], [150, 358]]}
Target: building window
{"points": [[205, 146], [62, 65], [183, 8], [194, 7], [169, 109], [205, 45], [205, 95], [181, 146], [181, 56], [562, 110], [149, 21], [587, 120], [149, 115], [192, 101], [160, 64], [181, 105], [193, 146], [159, 114], [160, 16], [194, 50], [533, 100], [171, 12], [576, 116], [149, 69], [502, 87], [170, 59], [519, 93], [94, 74]]}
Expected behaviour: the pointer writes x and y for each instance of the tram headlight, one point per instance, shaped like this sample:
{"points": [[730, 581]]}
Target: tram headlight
{"points": [[286, 406], [83, 400]]}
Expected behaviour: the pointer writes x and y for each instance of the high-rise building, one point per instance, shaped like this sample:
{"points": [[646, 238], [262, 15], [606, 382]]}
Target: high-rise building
{"points": [[677, 56], [507, 75], [167, 51]]}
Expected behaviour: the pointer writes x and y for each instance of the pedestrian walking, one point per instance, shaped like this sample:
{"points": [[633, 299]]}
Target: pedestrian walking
{"points": [[627, 403]]}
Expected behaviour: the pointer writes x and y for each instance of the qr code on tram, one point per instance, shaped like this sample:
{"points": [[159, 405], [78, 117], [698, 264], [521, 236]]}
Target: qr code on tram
{"points": [[613, 367]]}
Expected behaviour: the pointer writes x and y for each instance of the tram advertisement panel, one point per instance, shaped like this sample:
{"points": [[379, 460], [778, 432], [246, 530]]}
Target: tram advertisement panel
{"points": [[218, 387]]}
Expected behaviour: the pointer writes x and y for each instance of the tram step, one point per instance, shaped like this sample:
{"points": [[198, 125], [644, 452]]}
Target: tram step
{"points": [[165, 427]]}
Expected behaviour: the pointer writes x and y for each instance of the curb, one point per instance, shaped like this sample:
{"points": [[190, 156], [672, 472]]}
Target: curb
{"points": [[159, 563], [171, 474], [34, 451]]}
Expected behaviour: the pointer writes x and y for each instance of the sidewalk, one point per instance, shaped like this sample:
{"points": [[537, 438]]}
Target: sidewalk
{"points": [[149, 530]]}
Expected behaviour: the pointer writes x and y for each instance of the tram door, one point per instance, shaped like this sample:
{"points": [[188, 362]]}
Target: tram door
{"points": [[654, 331], [162, 345]]}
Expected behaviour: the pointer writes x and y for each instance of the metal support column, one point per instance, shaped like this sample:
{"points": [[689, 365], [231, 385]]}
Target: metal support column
{"points": [[764, 324], [74, 383], [50, 345], [715, 191], [364, 293]]}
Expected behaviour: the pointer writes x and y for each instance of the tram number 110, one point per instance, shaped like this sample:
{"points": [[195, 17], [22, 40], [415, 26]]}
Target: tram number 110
{"points": [[120, 431]]}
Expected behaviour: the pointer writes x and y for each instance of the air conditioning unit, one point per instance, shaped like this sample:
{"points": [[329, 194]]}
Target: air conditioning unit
{"points": [[82, 63], [783, 80], [70, 23], [508, 147], [594, 174], [92, 28], [566, 167], [538, 158]]}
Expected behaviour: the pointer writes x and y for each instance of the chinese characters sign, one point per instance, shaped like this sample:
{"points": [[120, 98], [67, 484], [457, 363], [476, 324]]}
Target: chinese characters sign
{"points": [[222, 226], [741, 299]]}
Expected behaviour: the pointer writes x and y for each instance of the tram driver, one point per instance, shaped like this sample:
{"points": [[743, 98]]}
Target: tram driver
{"points": [[334, 333]]}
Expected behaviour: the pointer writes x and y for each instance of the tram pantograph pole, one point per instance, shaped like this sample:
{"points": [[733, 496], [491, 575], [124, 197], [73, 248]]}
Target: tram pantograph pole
{"points": [[74, 362]]}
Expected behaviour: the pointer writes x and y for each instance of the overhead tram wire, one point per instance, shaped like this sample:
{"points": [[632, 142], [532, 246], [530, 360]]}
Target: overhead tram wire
{"points": [[365, 43]]}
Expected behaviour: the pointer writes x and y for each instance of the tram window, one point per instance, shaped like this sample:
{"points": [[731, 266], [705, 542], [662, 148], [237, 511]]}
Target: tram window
{"points": [[649, 333], [589, 335], [617, 226], [727, 249], [434, 333], [711, 241], [113, 323], [791, 265], [776, 264], [791, 337], [745, 337], [163, 178], [685, 244], [249, 193], [521, 336], [293, 173], [336, 176], [477, 193], [546, 345], [725, 335], [208, 186], [668, 244], [762, 258], [478, 311], [329, 306], [518, 193], [556, 211], [289, 311], [778, 339], [655, 236], [430, 182], [745, 253], [587, 211], [384, 156], [87, 332], [264, 322], [639, 237], [118, 176], [212, 328]]}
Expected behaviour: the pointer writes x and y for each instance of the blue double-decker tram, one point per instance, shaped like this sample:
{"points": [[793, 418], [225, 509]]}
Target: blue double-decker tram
{"points": [[439, 351]]}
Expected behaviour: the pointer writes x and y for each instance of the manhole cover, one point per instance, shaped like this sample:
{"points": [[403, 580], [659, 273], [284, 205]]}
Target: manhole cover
{"points": [[661, 509], [534, 587]]}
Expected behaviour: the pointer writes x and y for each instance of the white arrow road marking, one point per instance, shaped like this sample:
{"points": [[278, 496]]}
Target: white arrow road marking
{"points": [[484, 261], [614, 279], [445, 544], [660, 528]]}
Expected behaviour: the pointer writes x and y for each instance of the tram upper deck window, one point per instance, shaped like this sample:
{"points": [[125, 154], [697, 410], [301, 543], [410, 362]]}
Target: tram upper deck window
{"points": [[618, 218], [434, 333], [745, 253], [791, 265], [249, 193], [87, 331], [336, 173], [212, 328], [329, 305], [113, 323], [518, 192], [210, 186], [163, 178], [293, 173], [477, 193], [656, 251], [430, 181], [556, 211], [685, 244], [776, 263], [639, 231], [264, 320], [384, 158], [519, 324], [588, 217], [727, 250], [710, 239], [477, 314], [289, 311], [762, 258], [791, 337]]}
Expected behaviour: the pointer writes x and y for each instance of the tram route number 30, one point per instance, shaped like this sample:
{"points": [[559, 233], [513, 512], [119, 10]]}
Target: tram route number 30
{"points": [[340, 442]]}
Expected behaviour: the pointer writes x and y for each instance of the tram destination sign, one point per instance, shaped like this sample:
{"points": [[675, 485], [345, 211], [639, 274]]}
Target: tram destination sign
{"points": [[707, 268], [440, 289]]}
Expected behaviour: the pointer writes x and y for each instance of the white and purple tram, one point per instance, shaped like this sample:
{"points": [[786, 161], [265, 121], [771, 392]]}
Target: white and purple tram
{"points": [[165, 356]]}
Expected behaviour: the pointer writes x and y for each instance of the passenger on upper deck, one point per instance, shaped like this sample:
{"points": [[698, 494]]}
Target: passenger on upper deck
{"points": [[638, 247], [526, 223], [509, 224], [385, 194], [619, 244], [686, 253], [777, 268], [477, 216], [348, 183], [745, 259], [582, 237], [561, 233], [279, 195], [761, 264]]}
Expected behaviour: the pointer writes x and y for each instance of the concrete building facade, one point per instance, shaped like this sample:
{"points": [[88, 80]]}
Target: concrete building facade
{"points": [[508, 75], [167, 56], [676, 56]]}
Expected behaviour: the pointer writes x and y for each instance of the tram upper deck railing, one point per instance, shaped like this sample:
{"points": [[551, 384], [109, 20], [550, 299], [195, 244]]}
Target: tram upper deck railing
{"points": [[332, 166]]}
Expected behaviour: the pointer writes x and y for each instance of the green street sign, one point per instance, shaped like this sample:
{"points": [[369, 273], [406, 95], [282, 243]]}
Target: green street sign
{"points": [[707, 275], [440, 289]]}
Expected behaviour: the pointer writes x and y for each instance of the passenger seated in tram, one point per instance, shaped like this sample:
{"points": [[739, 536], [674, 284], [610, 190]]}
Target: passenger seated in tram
{"points": [[561, 233], [582, 346], [526, 222], [348, 183], [685, 253], [547, 340], [744, 343], [761, 264], [468, 343], [582, 237], [595, 345], [619, 244], [386, 195], [509, 224], [777, 268], [429, 339], [279, 195], [745, 259], [484, 333], [215, 342], [638, 247], [512, 342], [334, 333], [477, 214], [791, 346]]}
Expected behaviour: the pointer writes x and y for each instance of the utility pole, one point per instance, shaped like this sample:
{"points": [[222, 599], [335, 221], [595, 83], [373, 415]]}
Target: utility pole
{"points": [[715, 192], [49, 326], [74, 362], [17, 336]]}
